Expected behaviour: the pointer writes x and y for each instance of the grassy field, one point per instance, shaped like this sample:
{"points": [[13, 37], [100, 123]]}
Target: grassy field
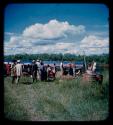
{"points": [[61, 100]]}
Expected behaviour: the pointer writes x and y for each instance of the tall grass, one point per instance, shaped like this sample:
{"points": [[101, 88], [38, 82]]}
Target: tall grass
{"points": [[60, 100]]}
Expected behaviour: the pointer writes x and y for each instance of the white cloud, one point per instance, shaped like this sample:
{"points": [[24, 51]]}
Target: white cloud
{"points": [[51, 30], [93, 41], [47, 38], [9, 33], [93, 44], [25, 45]]}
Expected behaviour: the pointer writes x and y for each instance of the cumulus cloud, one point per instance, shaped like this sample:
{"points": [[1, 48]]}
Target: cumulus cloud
{"points": [[90, 44], [93, 44], [52, 30], [93, 41], [30, 48], [54, 37]]}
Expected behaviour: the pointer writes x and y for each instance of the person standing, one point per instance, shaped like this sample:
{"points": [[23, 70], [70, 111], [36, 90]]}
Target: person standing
{"points": [[42, 71], [94, 66], [18, 70], [45, 72], [34, 70], [74, 69], [38, 63], [28, 69], [8, 67], [54, 70], [13, 72], [61, 68], [48, 71], [70, 70]]}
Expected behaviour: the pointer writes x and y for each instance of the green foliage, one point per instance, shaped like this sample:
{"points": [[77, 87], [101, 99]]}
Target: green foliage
{"points": [[104, 58]]}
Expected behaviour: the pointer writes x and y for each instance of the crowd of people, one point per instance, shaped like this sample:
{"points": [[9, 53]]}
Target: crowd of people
{"points": [[37, 70]]}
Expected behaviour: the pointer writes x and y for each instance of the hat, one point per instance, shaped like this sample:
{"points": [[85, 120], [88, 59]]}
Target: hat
{"points": [[33, 61], [18, 61]]}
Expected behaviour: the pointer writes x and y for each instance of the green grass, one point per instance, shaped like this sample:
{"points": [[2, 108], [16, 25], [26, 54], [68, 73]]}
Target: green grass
{"points": [[61, 100]]}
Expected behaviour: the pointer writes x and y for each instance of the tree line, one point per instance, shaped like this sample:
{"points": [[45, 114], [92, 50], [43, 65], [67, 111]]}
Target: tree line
{"points": [[103, 58]]}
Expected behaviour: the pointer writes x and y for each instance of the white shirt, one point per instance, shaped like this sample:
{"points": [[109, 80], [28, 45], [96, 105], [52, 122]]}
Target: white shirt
{"points": [[94, 66], [61, 64], [89, 72], [38, 64], [18, 69], [54, 70], [48, 69]]}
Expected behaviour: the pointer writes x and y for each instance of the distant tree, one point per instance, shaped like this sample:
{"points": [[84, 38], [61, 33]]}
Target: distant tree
{"points": [[103, 58]]}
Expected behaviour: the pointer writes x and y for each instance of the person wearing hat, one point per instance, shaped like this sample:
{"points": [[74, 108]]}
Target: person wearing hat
{"points": [[18, 70]]}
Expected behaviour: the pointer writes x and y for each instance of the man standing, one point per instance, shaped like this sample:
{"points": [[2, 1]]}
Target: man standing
{"points": [[42, 71], [18, 70], [70, 70], [54, 69], [38, 69], [34, 70], [48, 71]]}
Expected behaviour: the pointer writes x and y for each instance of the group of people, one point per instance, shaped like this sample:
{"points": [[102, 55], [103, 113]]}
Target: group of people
{"points": [[70, 71], [41, 72], [37, 70]]}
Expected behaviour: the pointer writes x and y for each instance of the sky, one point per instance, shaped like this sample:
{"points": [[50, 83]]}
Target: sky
{"points": [[56, 28]]}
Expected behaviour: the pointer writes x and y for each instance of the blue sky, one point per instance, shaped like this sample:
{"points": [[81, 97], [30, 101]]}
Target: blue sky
{"points": [[68, 28]]}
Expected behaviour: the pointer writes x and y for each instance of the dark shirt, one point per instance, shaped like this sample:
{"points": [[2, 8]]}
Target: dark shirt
{"points": [[71, 71], [33, 67]]}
